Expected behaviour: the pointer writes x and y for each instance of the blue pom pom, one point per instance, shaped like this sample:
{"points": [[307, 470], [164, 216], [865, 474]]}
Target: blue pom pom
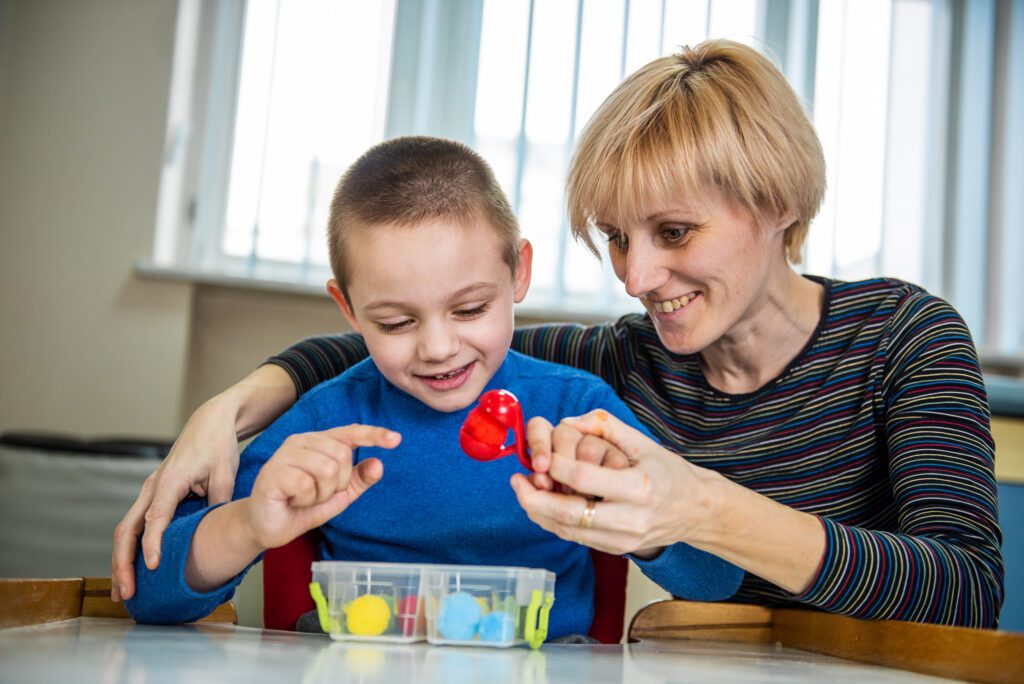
{"points": [[459, 618], [497, 626]]}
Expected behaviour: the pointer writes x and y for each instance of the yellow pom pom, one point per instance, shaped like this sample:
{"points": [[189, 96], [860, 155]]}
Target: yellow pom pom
{"points": [[485, 605], [368, 615]]}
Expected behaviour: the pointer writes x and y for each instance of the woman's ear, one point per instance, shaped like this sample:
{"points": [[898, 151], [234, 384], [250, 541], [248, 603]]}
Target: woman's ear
{"points": [[524, 268], [341, 300], [778, 223]]}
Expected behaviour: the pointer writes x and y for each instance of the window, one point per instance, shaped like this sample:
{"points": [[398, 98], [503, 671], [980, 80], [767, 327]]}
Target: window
{"points": [[915, 102]]}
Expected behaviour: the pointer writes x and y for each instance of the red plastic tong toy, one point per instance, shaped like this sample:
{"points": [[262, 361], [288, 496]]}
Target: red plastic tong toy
{"points": [[483, 434]]}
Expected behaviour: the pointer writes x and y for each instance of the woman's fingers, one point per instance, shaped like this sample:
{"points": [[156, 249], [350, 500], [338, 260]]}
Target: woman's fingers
{"points": [[597, 450], [600, 423], [222, 481], [126, 539], [170, 487], [614, 527], [564, 440], [631, 485]]}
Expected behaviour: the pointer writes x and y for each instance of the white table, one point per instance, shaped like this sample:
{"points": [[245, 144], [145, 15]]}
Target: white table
{"points": [[111, 650]]}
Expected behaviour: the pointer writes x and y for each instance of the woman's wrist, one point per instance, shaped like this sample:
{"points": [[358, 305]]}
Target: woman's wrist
{"points": [[774, 541], [709, 507], [256, 401]]}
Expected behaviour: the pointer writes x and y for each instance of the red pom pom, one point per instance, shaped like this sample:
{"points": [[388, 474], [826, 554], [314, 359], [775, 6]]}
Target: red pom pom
{"points": [[407, 614]]}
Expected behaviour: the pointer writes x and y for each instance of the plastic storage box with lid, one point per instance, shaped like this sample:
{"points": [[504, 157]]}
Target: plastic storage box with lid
{"points": [[487, 606], [369, 601], [469, 605]]}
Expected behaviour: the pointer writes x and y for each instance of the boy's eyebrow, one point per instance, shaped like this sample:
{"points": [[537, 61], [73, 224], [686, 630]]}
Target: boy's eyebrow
{"points": [[481, 288]]}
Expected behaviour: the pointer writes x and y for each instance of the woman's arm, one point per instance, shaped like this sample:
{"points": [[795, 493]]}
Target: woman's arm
{"points": [[204, 458], [941, 565], [661, 500], [944, 563], [202, 461]]}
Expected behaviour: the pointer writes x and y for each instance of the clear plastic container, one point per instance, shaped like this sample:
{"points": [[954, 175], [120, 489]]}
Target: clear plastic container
{"points": [[470, 605], [369, 601], [467, 605]]}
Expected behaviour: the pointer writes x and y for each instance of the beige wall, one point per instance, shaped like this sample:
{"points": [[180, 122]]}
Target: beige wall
{"points": [[85, 346]]}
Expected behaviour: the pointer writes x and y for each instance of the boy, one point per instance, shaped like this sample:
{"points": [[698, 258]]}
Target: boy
{"points": [[428, 265]]}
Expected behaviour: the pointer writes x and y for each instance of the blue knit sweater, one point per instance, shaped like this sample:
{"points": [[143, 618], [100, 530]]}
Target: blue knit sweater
{"points": [[434, 504]]}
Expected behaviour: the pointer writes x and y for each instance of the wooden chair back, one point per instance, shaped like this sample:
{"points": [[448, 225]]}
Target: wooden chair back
{"points": [[983, 655], [37, 601]]}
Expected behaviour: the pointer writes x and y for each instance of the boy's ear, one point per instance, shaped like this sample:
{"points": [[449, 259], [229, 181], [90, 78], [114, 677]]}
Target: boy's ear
{"points": [[523, 270], [339, 298]]}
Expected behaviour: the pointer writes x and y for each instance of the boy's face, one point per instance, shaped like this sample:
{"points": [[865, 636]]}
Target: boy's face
{"points": [[434, 303]]}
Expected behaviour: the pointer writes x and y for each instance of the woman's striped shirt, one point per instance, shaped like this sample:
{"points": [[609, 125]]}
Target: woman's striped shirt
{"points": [[880, 427]]}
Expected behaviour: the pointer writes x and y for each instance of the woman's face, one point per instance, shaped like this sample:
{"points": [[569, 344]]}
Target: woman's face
{"points": [[701, 266]]}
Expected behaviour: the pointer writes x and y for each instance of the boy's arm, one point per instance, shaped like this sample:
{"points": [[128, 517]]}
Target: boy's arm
{"points": [[310, 479], [162, 595]]}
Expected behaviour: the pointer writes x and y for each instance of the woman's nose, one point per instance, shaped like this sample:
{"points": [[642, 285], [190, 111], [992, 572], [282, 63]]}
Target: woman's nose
{"points": [[642, 271], [438, 342]]}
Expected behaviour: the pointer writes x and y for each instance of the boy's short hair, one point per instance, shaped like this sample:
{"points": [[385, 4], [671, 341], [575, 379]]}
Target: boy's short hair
{"points": [[406, 181], [717, 113]]}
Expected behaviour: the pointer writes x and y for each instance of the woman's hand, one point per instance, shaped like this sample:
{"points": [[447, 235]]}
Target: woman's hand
{"points": [[543, 439], [649, 497], [203, 460]]}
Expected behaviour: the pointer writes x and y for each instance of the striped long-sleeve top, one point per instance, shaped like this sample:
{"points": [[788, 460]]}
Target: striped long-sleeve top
{"points": [[879, 426]]}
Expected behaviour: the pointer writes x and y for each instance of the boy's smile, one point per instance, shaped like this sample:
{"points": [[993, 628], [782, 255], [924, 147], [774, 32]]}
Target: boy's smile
{"points": [[434, 303]]}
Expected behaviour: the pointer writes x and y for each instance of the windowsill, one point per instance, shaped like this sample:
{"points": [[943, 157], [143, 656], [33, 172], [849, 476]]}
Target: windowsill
{"points": [[1004, 374], [315, 287]]}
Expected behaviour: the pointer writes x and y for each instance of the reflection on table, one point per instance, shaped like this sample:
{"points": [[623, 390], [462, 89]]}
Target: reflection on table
{"points": [[112, 650]]}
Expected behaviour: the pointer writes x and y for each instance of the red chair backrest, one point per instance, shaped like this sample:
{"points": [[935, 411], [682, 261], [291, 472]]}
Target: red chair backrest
{"points": [[286, 575]]}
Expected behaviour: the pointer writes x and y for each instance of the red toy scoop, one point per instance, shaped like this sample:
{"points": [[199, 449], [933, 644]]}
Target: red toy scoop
{"points": [[483, 434]]}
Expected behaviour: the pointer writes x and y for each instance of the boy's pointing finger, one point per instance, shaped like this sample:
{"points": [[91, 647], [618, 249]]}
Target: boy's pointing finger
{"points": [[357, 435]]}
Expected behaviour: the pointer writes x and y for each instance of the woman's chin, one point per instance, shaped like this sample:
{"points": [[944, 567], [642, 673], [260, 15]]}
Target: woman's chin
{"points": [[677, 339]]}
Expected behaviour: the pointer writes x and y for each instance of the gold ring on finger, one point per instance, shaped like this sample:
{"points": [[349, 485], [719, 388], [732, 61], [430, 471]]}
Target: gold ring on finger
{"points": [[587, 519]]}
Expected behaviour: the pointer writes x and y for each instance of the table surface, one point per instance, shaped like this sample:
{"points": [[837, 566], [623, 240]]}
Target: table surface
{"points": [[111, 650]]}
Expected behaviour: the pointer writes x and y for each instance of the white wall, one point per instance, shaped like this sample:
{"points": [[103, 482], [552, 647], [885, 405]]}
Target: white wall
{"points": [[84, 346]]}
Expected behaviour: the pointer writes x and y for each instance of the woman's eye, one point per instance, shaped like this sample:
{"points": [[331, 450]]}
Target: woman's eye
{"points": [[394, 327], [674, 234], [617, 240], [472, 313]]}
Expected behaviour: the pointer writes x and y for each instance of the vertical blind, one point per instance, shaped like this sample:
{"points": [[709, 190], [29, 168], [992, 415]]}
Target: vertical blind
{"points": [[918, 104]]}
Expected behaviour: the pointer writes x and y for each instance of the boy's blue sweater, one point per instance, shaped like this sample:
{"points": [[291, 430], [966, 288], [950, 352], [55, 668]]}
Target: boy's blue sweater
{"points": [[434, 504]]}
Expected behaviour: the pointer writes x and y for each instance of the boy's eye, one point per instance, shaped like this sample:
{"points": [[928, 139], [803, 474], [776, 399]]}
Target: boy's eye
{"points": [[394, 327], [473, 312]]}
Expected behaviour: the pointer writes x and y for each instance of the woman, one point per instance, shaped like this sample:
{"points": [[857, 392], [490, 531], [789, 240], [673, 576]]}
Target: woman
{"points": [[830, 438]]}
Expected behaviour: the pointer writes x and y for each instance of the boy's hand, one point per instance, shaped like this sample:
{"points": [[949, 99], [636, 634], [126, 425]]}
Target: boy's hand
{"points": [[311, 479]]}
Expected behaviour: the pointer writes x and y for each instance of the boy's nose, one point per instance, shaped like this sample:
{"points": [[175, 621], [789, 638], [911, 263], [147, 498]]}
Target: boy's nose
{"points": [[437, 343]]}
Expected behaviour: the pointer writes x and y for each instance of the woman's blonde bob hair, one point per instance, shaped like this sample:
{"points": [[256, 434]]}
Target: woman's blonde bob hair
{"points": [[719, 113]]}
